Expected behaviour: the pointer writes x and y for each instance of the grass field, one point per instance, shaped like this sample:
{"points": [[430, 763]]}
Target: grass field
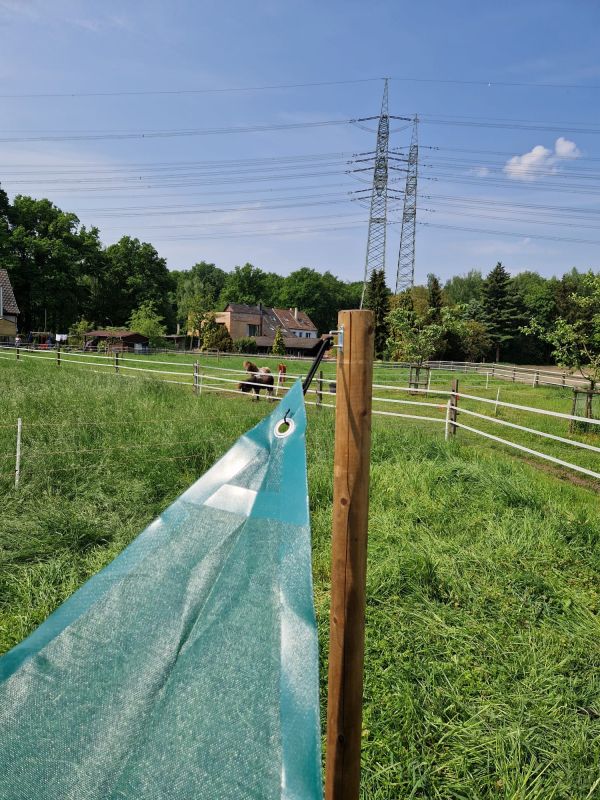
{"points": [[483, 613]]}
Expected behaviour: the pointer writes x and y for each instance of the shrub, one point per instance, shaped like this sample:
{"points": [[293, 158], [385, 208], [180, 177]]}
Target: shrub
{"points": [[246, 344]]}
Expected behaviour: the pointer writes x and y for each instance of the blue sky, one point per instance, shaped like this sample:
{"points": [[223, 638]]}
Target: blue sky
{"points": [[517, 165]]}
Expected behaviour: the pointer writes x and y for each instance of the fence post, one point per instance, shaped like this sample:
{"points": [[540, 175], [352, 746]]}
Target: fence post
{"points": [[496, 406], [447, 427], [17, 349], [453, 406], [58, 356], [354, 380], [573, 411], [487, 379], [196, 387], [116, 358], [513, 375], [563, 378], [320, 389], [493, 368], [536, 379], [199, 381], [18, 454]]}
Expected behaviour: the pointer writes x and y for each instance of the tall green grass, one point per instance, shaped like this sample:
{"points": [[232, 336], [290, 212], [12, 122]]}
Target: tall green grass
{"points": [[483, 611]]}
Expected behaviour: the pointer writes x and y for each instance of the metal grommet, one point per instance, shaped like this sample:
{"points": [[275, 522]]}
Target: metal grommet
{"points": [[291, 426]]}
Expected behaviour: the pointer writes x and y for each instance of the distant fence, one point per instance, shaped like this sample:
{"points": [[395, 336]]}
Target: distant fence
{"points": [[512, 372], [450, 409]]}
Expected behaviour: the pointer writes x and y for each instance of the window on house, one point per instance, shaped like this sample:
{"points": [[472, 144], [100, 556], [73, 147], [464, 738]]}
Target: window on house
{"points": [[253, 330]]}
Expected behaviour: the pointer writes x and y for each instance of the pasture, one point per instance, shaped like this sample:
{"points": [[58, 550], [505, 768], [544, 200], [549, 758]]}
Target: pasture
{"points": [[483, 601]]}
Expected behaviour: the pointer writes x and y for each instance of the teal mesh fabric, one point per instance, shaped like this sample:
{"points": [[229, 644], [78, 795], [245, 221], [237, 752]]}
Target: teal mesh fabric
{"points": [[187, 668]]}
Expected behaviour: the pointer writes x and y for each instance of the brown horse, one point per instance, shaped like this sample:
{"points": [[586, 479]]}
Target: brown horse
{"points": [[257, 378]]}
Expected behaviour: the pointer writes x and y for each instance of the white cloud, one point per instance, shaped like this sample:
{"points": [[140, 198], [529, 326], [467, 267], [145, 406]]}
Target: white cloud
{"points": [[566, 149], [481, 172], [540, 160]]}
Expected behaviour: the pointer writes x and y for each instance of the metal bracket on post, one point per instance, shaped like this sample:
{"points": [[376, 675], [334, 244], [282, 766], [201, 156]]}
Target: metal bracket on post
{"points": [[340, 334]]}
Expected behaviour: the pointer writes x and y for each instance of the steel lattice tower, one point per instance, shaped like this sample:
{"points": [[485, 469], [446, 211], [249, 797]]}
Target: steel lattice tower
{"points": [[405, 276], [375, 258]]}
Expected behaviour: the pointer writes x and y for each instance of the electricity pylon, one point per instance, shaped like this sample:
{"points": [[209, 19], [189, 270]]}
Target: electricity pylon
{"points": [[375, 258], [405, 276]]}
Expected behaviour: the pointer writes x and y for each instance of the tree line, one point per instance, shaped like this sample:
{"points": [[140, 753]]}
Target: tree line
{"points": [[65, 278], [526, 318], [61, 273]]}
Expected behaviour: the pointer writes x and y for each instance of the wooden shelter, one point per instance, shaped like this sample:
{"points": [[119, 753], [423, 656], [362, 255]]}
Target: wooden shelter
{"points": [[117, 341]]}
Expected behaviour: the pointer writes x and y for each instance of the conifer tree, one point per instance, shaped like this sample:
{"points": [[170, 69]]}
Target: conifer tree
{"points": [[377, 298], [501, 314], [434, 298], [278, 344]]}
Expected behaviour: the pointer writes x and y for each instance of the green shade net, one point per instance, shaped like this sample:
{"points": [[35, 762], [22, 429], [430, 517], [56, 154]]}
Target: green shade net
{"points": [[188, 667]]}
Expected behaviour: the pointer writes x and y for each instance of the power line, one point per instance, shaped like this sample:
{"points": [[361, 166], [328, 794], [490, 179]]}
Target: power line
{"points": [[526, 125], [180, 132], [217, 90], [492, 83], [510, 233], [310, 84]]}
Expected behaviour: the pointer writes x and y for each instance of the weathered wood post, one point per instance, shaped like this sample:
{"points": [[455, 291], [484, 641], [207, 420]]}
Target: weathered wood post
{"points": [[536, 379], [196, 385], [513, 375], [17, 349], [116, 358], [453, 407], [564, 375], [58, 355], [354, 387], [573, 410], [320, 389]]}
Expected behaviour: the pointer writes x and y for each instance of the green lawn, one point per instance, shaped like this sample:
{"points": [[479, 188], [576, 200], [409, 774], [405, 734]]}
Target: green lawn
{"points": [[483, 613]]}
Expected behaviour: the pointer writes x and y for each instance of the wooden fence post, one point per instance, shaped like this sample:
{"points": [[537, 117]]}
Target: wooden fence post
{"points": [[58, 355], [320, 389], [17, 349], [453, 407], [18, 454], [536, 379], [116, 355], [573, 411], [513, 375], [354, 382], [196, 384]]}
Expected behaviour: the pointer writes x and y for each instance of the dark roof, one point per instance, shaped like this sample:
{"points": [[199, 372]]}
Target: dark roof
{"points": [[101, 334], [273, 318], [8, 297], [291, 342], [241, 308], [301, 322]]}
